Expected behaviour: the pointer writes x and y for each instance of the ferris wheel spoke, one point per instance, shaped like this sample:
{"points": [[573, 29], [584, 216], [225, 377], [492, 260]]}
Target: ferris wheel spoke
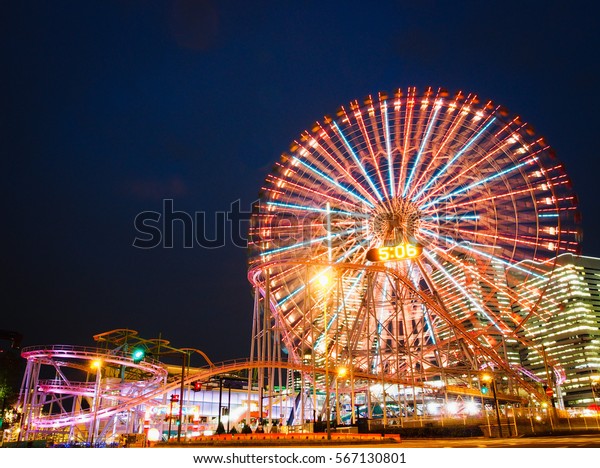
{"points": [[407, 127], [527, 300], [461, 190], [344, 190], [424, 142], [315, 209], [310, 241], [452, 131], [301, 191], [469, 247], [357, 161], [388, 148], [373, 158], [498, 149], [330, 153], [465, 294], [445, 168]]}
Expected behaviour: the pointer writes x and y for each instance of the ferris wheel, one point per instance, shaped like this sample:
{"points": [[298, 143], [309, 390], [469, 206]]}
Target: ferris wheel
{"points": [[411, 233]]}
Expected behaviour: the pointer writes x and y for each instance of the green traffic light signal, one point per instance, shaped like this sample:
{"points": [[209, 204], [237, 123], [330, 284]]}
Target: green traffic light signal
{"points": [[484, 388], [138, 354]]}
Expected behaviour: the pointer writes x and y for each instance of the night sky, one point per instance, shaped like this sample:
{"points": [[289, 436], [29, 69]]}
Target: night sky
{"points": [[110, 107]]}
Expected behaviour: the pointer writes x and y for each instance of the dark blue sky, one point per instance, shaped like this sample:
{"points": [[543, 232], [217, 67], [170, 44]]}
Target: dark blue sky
{"points": [[109, 107]]}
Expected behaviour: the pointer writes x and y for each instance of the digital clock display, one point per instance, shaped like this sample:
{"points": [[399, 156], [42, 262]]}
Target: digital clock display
{"points": [[396, 252]]}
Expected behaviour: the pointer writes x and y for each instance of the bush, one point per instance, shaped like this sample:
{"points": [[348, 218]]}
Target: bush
{"points": [[246, 429], [220, 429]]}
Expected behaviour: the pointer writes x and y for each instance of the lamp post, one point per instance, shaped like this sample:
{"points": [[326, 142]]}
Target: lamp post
{"points": [[183, 366], [488, 378], [174, 398], [341, 373], [324, 281], [96, 364]]}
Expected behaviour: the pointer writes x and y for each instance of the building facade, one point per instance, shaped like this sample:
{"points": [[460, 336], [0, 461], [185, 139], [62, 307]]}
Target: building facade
{"points": [[566, 332]]}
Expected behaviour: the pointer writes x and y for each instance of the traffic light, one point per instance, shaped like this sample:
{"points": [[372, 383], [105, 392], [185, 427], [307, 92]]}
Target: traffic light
{"points": [[174, 397], [138, 354], [484, 388], [197, 386]]}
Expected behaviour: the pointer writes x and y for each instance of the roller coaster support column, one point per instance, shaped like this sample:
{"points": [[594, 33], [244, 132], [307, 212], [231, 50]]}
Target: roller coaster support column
{"points": [[183, 366]]}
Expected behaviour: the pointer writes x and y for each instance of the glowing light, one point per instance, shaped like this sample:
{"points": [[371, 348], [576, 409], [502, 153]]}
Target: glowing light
{"points": [[96, 364], [423, 143], [388, 149], [433, 408], [153, 434], [452, 407], [464, 291], [357, 161], [324, 279], [310, 241], [471, 407], [329, 179], [480, 182], [316, 209], [456, 156]]}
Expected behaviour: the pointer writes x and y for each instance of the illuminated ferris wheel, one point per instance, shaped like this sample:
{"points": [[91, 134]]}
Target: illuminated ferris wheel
{"points": [[410, 235]]}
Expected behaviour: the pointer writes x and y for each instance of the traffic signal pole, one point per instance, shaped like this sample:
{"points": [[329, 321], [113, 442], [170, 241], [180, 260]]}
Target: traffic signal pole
{"points": [[496, 406], [181, 388]]}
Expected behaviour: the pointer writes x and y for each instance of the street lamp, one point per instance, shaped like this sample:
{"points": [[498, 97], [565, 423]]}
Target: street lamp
{"points": [[489, 379], [174, 398], [97, 365], [324, 280], [341, 373]]}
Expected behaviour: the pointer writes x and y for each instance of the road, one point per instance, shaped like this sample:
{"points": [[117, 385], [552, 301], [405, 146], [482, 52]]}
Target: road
{"points": [[588, 441]]}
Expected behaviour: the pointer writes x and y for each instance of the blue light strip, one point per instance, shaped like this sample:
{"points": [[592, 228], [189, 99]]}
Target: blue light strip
{"points": [[317, 210], [329, 179], [388, 149], [463, 290], [548, 215], [428, 324], [451, 217], [358, 162], [289, 296], [476, 184], [311, 241], [343, 257], [423, 143], [483, 254], [456, 156]]}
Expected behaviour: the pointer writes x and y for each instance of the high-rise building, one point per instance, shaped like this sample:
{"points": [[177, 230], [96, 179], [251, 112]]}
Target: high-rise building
{"points": [[565, 331]]}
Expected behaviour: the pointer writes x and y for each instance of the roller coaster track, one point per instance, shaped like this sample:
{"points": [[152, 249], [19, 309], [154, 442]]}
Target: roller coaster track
{"points": [[155, 387]]}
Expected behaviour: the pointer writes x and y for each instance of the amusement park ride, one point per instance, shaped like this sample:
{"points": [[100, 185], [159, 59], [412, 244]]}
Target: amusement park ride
{"points": [[397, 254]]}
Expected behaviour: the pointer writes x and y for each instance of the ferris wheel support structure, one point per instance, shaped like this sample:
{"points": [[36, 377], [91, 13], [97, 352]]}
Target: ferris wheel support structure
{"points": [[441, 216]]}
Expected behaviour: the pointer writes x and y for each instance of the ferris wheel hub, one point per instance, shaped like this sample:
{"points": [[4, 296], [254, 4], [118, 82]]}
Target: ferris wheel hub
{"points": [[395, 220]]}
